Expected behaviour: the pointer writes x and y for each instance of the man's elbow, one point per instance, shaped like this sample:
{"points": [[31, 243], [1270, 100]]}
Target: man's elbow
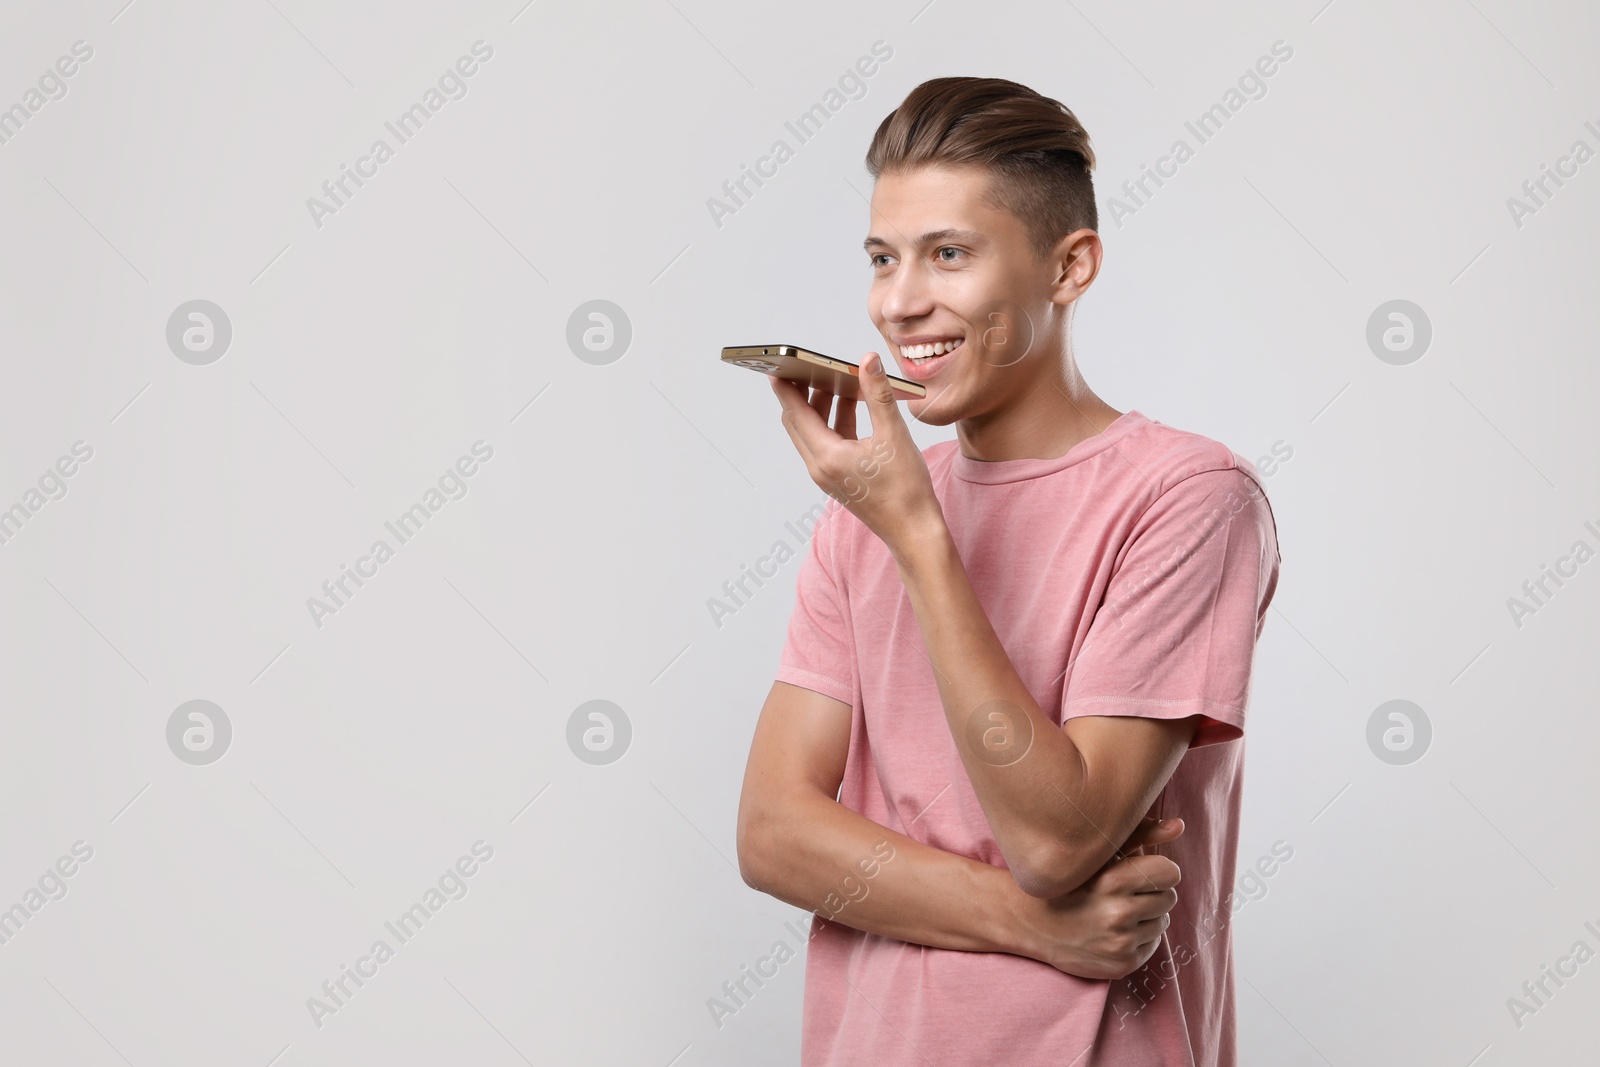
{"points": [[1053, 868], [752, 842]]}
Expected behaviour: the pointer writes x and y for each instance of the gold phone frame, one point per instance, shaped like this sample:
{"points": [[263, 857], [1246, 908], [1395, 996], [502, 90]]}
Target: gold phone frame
{"points": [[795, 364]]}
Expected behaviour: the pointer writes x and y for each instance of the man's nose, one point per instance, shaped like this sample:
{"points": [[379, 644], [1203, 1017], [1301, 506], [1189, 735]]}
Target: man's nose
{"points": [[908, 296]]}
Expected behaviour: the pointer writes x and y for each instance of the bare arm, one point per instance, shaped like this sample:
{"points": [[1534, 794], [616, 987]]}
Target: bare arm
{"points": [[799, 844], [1059, 799]]}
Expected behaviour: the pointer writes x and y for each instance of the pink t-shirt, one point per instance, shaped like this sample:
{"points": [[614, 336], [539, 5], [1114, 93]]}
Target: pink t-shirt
{"points": [[1130, 576]]}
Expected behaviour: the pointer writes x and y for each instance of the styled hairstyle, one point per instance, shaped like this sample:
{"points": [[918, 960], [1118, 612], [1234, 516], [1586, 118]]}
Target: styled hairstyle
{"points": [[1035, 149]]}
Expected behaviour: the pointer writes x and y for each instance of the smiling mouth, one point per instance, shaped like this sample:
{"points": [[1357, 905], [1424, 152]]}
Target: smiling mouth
{"points": [[921, 354]]}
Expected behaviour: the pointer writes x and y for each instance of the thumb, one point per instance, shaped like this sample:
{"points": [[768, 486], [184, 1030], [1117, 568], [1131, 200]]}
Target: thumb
{"points": [[879, 392], [1154, 832]]}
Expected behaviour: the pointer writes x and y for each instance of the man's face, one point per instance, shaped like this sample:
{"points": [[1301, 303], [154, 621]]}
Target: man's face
{"points": [[952, 270]]}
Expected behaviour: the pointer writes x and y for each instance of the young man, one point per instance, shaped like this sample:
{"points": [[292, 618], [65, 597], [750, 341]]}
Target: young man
{"points": [[1010, 653]]}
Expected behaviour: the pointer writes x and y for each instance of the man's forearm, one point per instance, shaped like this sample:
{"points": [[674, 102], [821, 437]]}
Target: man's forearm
{"points": [[815, 853], [1028, 775]]}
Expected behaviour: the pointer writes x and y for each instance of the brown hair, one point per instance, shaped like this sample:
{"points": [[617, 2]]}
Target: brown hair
{"points": [[1035, 149]]}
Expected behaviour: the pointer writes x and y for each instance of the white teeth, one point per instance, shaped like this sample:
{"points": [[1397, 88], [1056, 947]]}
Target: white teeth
{"points": [[937, 348]]}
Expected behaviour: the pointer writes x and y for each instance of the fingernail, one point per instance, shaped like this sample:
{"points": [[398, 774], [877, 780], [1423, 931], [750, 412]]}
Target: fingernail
{"points": [[874, 364]]}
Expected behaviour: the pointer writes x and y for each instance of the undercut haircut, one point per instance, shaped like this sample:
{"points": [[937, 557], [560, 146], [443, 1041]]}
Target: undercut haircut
{"points": [[1035, 149]]}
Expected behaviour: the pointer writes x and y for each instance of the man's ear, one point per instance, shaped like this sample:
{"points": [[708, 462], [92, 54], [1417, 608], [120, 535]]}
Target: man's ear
{"points": [[1076, 261]]}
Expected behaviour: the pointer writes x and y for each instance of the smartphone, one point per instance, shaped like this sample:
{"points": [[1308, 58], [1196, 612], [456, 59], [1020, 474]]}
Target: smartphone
{"points": [[794, 364]]}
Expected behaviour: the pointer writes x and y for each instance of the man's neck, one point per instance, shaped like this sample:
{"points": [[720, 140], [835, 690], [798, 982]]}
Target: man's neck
{"points": [[1056, 412]]}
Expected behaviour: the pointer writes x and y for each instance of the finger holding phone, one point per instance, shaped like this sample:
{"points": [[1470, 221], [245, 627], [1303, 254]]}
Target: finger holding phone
{"points": [[883, 480]]}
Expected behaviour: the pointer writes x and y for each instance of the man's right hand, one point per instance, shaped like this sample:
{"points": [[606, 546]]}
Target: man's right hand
{"points": [[1110, 926]]}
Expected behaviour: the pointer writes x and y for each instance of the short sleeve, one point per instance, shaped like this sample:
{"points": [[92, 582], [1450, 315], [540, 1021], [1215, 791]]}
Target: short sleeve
{"points": [[819, 651], [1175, 633]]}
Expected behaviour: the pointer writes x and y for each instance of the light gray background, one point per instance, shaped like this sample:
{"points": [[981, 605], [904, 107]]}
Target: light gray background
{"points": [[369, 353]]}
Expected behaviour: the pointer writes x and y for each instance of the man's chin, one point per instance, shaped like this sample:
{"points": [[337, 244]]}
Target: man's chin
{"points": [[931, 410]]}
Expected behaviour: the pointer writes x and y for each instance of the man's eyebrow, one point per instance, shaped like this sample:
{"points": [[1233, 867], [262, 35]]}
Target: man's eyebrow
{"points": [[928, 238]]}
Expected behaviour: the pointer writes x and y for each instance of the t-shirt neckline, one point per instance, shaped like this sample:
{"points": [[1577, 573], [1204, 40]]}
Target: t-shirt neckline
{"points": [[993, 472]]}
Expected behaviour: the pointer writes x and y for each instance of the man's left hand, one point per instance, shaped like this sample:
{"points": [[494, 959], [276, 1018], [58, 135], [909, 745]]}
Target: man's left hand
{"points": [[883, 479]]}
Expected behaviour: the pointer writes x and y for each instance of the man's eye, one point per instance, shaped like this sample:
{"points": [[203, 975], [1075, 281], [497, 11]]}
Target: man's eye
{"points": [[875, 258], [951, 248]]}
